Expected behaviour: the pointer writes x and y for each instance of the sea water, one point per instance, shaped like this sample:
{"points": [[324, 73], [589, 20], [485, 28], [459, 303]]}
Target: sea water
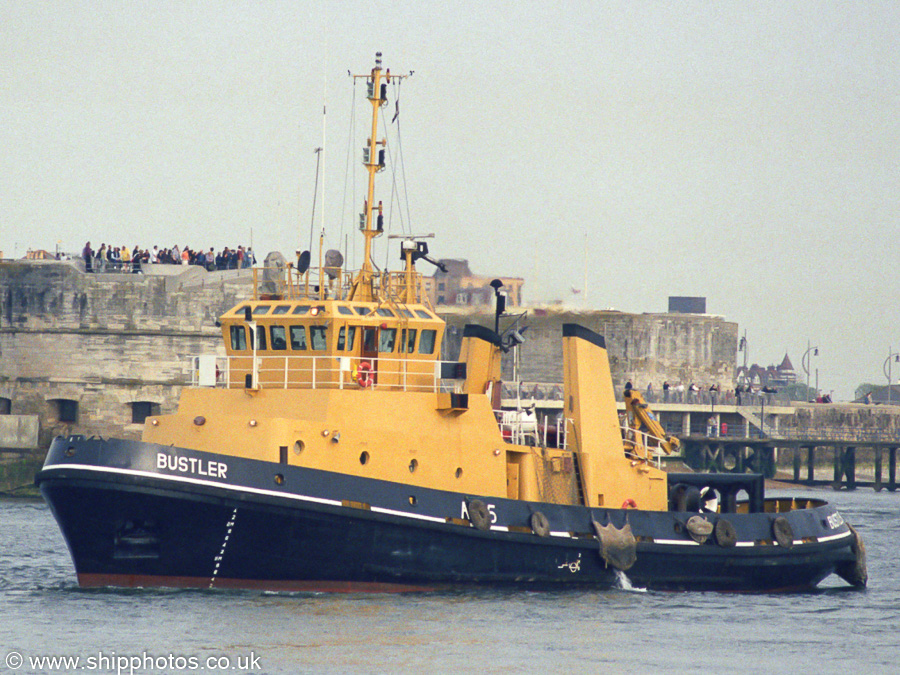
{"points": [[43, 614]]}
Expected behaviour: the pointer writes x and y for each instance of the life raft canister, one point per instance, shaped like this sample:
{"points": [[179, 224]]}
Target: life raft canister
{"points": [[364, 374]]}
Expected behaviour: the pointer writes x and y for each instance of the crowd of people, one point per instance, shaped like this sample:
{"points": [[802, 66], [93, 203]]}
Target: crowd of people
{"points": [[744, 394], [123, 259]]}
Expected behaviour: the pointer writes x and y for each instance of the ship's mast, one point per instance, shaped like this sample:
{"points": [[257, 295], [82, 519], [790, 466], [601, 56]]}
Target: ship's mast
{"points": [[363, 288]]}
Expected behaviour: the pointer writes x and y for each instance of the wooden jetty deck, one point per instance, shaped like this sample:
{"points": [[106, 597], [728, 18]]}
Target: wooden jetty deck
{"points": [[762, 455]]}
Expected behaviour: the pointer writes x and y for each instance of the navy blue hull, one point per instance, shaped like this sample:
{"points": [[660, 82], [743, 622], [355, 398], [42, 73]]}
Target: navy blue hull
{"points": [[133, 517]]}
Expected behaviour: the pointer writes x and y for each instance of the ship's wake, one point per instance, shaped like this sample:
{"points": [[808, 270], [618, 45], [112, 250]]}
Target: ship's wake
{"points": [[624, 583]]}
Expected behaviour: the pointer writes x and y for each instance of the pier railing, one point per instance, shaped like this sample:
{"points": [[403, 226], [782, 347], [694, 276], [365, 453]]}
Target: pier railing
{"points": [[553, 391]]}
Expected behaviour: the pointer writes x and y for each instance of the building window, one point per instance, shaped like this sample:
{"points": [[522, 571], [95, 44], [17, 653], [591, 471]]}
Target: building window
{"points": [[441, 286], [440, 300], [5, 406], [462, 298], [141, 410], [66, 410]]}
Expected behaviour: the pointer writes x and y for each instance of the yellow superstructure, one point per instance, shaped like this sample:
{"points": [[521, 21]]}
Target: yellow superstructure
{"points": [[342, 372]]}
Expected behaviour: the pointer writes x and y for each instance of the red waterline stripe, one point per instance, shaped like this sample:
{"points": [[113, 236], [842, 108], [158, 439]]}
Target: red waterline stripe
{"points": [[152, 581]]}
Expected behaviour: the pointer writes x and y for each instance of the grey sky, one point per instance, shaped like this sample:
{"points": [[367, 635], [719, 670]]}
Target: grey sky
{"points": [[747, 152]]}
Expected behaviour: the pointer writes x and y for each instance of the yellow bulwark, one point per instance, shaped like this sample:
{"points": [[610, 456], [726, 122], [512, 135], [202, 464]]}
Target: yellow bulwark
{"points": [[342, 372]]}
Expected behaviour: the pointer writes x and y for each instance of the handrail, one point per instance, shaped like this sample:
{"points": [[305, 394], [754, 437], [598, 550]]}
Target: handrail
{"points": [[522, 427], [636, 440], [288, 283], [321, 372]]}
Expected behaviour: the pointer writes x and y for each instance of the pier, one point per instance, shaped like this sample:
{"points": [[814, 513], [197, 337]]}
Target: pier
{"points": [[764, 455], [764, 435]]}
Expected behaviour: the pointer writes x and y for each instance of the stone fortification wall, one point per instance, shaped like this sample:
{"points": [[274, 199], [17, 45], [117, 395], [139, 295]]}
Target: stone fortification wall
{"points": [[858, 418], [108, 341], [104, 341], [643, 348]]}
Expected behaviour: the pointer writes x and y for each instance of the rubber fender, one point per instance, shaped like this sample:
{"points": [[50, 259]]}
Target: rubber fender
{"points": [[854, 572], [539, 524], [699, 528], [675, 493], [684, 498], [478, 514], [726, 535], [783, 532], [618, 548]]}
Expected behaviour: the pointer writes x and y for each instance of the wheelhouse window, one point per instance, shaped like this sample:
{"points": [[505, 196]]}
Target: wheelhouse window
{"points": [[238, 338], [386, 339], [369, 337], [362, 311], [301, 309], [318, 338], [261, 309], [282, 309], [141, 410], [344, 310], [298, 338], [426, 341], [345, 338], [423, 314], [384, 311], [279, 339], [260, 337], [411, 341]]}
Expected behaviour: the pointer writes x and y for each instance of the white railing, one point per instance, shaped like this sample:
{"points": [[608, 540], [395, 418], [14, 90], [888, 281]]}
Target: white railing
{"points": [[321, 372], [521, 427], [641, 446]]}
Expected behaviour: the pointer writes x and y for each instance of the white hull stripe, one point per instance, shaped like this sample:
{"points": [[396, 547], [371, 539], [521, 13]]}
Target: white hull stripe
{"points": [[832, 537], [676, 542], [375, 509], [258, 491], [233, 488]]}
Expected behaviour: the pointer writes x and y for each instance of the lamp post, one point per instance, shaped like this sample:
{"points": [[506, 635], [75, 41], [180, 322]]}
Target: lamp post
{"points": [[805, 363], [888, 370], [742, 347]]}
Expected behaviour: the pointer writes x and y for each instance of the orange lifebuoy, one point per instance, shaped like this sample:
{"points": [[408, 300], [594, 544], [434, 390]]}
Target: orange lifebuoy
{"points": [[364, 374], [629, 504]]}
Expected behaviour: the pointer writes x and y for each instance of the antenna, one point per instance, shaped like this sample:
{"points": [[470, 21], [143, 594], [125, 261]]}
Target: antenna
{"points": [[324, 126], [312, 223]]}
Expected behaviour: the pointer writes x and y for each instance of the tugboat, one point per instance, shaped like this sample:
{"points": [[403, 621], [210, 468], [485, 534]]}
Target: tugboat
{"points": [[332, 450]]}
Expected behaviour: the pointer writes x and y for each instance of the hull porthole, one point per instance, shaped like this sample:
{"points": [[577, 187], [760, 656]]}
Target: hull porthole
{"points": [[539, 524], [783, 532], [478, 514], [726, 535]]}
